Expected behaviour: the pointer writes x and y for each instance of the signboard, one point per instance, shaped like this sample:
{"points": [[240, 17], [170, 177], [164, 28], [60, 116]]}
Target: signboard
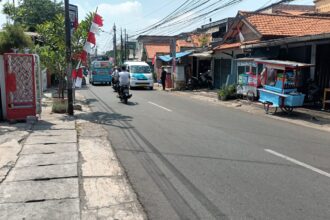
{"points": [[73, 13], [102, 64]]}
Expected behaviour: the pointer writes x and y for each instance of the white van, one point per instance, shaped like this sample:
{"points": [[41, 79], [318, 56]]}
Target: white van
{"points": [[141, 75]]}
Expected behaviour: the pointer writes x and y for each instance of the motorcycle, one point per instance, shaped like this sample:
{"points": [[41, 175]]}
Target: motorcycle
{"points": [[115, 85], [123, 94], [313, 93], [193, 83], [204, 80]]}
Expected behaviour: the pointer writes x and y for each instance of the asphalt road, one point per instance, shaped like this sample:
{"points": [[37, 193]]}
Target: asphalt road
{"points": [[189, 159]]}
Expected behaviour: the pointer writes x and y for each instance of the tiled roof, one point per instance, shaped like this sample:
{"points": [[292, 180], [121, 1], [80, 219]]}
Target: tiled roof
{"points": [[228, 46], [153, 49], [273, 25], [234, 45]]}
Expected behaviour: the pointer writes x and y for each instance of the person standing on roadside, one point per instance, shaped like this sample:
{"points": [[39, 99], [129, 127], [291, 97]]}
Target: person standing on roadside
{"points": [[163, 77]]}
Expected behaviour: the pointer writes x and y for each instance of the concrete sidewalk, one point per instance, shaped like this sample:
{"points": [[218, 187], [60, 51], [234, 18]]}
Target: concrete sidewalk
{"points": [[50, 171], [301, 116]]}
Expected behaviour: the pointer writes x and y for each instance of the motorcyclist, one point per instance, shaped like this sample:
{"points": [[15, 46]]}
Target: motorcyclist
{"points": [[124, 78], [115, 75]]}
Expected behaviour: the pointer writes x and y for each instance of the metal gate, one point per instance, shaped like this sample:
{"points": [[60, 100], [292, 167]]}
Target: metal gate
{"points": [[20, 86], [222, 68]]}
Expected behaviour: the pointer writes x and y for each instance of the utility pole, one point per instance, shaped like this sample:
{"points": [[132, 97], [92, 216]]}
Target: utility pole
{"points": [[68, 56], [121, 46], [173, 54], [125, 45], [114, 44], [127, 48]]}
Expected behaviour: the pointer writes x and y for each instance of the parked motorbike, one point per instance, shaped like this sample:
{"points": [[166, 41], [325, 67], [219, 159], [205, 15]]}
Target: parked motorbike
{"points": [[313, 93], [123, 94], [193, 83], [204, 80]]}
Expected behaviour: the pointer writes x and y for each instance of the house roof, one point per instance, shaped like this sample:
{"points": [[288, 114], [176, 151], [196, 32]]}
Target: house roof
{"points": [[153, 49], [274, 25], [228, 46]]}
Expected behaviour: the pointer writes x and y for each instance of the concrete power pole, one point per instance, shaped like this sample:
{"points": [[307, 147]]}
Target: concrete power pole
{"points": [[68, 57], [114, 44], [121, 46], [127, 49], [125, 45], [173, 54]]}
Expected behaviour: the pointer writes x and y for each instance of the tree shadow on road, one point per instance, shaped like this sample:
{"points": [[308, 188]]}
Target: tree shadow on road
{"points": [[106, 118]]}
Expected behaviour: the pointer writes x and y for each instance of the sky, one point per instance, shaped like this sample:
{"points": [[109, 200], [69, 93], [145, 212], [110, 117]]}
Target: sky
{"points": [[135, 15]]}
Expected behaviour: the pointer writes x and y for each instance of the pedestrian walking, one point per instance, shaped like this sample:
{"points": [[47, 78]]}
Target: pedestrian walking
{"points": [[163, 77]]}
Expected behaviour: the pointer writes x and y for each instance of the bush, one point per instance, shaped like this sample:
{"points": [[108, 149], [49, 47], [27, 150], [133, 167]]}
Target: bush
{"points": [[227, 92], [13, 37]]}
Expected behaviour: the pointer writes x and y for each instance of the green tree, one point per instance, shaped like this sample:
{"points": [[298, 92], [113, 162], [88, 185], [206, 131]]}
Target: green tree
{"points": [[30, 13], [53, 51], [13, 37]]}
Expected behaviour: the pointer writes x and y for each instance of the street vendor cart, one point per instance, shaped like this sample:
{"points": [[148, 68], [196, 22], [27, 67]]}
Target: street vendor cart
{"points": [[248, 78], [281, 80]]}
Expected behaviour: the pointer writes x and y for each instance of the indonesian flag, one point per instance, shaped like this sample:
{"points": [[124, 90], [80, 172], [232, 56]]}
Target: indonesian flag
{"points": [[91, 38], [98, 20], [95, 28], [83, 56], [96, 24], [88, 47]]}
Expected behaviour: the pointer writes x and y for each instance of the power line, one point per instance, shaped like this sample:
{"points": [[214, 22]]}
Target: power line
{"points": [[178, 15], [166, 17], [184, 22]]}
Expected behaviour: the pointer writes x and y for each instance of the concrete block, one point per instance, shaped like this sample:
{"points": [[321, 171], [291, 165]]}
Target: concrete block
{"points": [[50, 210], [104, 192], [46, 159], [49, 148], [8, 156], [43, 172], [28, 191], [130, 211], [98, 158], [65, 138]]}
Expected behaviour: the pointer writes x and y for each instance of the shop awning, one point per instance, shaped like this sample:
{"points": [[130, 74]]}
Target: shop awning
{"points": [[168, 58]]}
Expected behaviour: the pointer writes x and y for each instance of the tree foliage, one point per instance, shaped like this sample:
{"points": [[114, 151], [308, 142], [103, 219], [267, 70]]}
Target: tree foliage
{"points": [[13, 36], [30, 13], [53, 49]]}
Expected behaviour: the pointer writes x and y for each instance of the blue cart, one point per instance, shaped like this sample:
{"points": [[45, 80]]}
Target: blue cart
{"points": [[281, 82]]}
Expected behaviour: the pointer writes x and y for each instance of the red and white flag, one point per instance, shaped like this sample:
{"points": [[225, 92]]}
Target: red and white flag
{"points": [[98, 20], [88, 47], [91, 38], [96, 24]]}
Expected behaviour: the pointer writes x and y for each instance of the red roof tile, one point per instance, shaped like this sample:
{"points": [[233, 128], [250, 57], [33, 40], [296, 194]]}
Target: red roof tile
{"points": [[273, 25], [228, 46]]}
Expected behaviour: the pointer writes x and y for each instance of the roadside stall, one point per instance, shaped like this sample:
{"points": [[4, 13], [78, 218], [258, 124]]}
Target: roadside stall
{"points": [[248, 78], [281, 81]]}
